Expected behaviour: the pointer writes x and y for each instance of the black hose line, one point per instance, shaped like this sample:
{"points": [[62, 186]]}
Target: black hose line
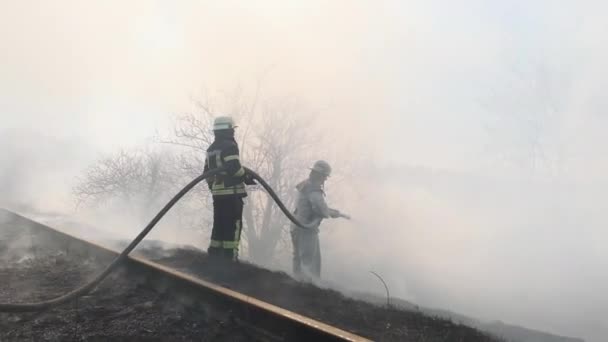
{"points": [[27, 307], [47, 304], [278, 201]]}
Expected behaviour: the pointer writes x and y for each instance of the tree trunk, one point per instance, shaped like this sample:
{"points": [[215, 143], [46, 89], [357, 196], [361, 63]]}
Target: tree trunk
{"points": [[264, 247], [250, 230]]}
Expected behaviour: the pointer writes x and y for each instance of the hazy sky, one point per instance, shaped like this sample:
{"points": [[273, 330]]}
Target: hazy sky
{"points": [[407, 77], [416, 70]]}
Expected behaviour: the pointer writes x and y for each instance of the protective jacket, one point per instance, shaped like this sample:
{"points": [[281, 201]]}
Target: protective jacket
{"points": [[310, 204], [311, 208], [224, 151]]}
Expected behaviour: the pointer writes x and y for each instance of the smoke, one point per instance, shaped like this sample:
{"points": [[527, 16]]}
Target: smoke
{"points": [[476, 128]]}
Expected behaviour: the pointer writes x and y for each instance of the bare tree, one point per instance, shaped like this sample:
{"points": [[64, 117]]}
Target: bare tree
{"points": [[137, 177], [284, 143]]}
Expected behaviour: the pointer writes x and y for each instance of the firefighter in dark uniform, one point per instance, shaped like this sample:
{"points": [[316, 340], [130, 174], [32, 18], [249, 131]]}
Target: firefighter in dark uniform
{"points": [[227, 189]]}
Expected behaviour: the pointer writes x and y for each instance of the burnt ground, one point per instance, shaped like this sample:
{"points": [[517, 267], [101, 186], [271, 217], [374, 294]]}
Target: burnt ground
{"points": [[117, 310], [120, 309], [329, 306]]}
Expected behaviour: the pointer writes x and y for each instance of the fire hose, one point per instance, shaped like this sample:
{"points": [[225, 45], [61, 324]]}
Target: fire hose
{"points": [[84, 289]]}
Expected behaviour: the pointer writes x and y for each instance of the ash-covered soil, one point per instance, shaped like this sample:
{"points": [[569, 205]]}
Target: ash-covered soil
{"points": [[117, 310], [122, 310], [329, 306]]}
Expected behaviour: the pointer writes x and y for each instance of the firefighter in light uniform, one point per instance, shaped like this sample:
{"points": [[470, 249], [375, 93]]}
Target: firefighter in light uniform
{"points": [[227, 189], [311, 208]]}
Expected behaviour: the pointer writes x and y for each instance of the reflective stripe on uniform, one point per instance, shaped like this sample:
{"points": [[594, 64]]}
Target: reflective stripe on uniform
{"points": [[224, 244], [231, 244], [228, 192], [219, 189], [218, 159], [232, 157], [214, 156], [241, 171]]}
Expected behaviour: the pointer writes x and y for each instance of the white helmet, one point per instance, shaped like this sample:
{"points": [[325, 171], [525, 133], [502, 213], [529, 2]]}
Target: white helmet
{"points": [[223, 122], [322, 167]]}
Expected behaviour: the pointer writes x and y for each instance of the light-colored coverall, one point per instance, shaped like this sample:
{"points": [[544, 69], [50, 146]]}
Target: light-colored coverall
{"points": [[310, 207]]}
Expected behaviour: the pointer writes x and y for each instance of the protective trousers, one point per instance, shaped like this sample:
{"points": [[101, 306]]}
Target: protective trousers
{"points": [[306, 252], [226, 233]]}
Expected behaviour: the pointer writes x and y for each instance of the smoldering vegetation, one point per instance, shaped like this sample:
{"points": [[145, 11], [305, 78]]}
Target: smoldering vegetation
{"points": [[123, 307]]}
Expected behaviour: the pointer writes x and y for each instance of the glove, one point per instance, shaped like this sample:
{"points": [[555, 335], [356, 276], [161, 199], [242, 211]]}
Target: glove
{"points": [[209, 183], [333, 213], [248, 179]]}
